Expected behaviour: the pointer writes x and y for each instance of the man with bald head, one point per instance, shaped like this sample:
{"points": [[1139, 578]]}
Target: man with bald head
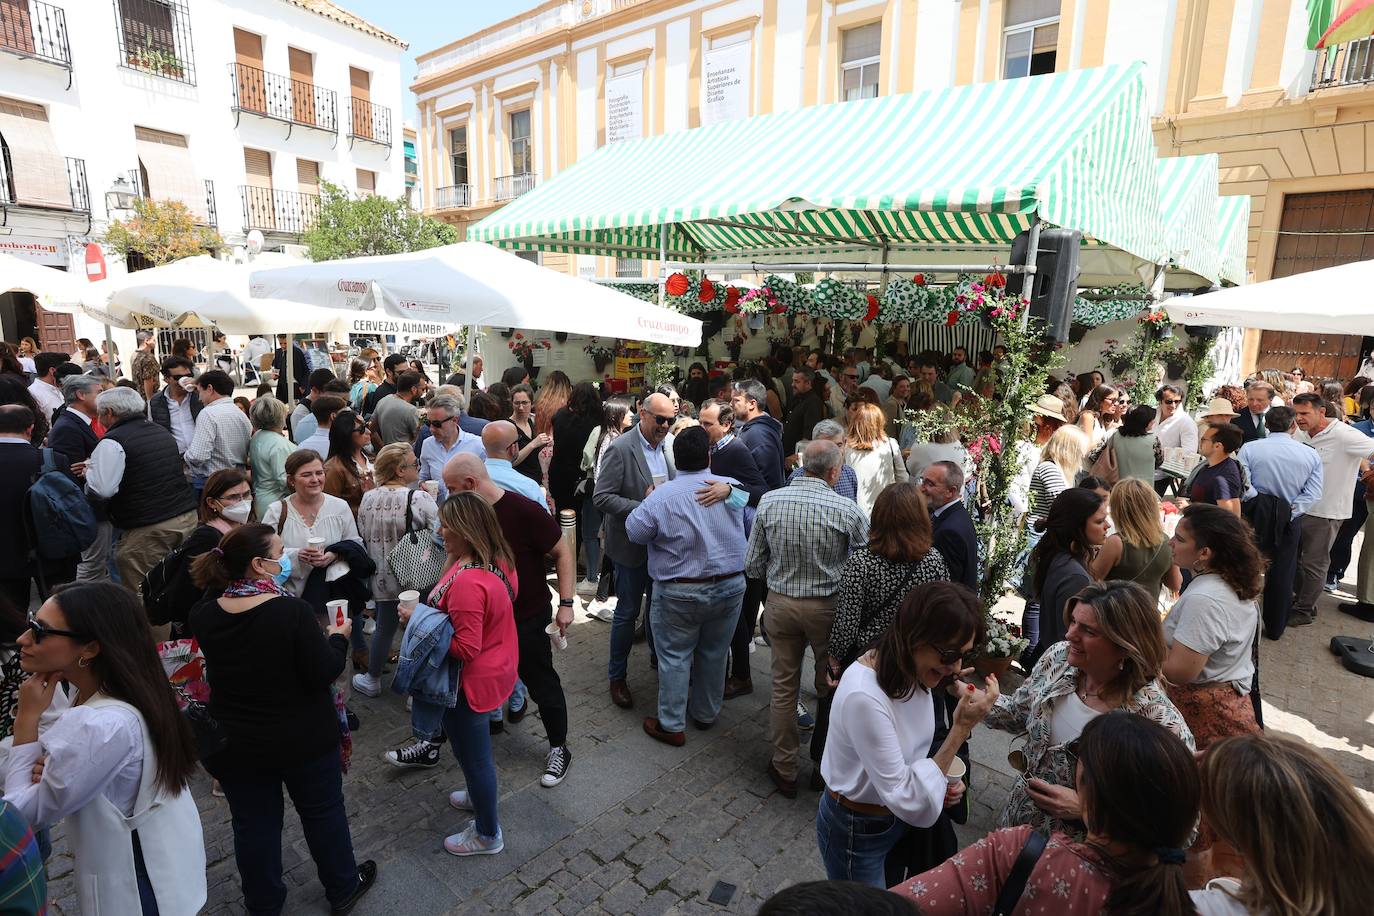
{"points": [[501, 443], [631, 466], [534, 537], [802, 536]]}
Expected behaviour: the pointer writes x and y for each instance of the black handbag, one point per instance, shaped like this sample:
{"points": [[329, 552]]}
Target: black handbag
{"points": [[209, 735]]}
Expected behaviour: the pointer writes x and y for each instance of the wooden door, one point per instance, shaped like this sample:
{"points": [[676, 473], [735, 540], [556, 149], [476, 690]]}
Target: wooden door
{"points": [[252, 88], [56, 331], [16, 28], [302, 85], [257, 192], [360, 88]]}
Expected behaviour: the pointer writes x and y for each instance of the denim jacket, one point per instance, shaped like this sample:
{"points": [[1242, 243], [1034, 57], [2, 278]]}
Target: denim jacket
{"points": [[425, 669]]}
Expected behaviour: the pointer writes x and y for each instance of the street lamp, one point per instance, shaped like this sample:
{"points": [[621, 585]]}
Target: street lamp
{"points": [[120, 196]]}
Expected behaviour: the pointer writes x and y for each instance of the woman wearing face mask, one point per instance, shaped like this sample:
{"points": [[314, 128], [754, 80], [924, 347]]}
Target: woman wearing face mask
{"points": [[270, 670], [225, 503], [114, 755]]}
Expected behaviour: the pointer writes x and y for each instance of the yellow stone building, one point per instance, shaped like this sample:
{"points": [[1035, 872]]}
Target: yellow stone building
{"points": [[512, 105]]}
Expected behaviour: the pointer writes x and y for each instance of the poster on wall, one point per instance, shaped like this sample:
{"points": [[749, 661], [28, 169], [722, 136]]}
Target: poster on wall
{"points": [[725, 83], [625, 107]]}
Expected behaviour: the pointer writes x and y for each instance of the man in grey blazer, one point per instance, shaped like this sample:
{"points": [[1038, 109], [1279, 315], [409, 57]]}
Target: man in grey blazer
{"points": [[630, 468]]}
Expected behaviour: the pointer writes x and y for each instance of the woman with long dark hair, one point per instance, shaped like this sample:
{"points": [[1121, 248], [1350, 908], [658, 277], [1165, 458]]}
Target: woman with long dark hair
{"points": [[115, 762], [1135, 449], [347, 472], [1139, 788], [270, 669], [570, 428], [697, 387], [1075, 525], [529, 440]]}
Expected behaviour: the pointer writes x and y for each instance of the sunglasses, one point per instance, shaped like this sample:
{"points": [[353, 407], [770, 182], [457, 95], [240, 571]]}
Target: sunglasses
{"points": [[42, 631], [1170, 403], [663, 421], [950, 656]]}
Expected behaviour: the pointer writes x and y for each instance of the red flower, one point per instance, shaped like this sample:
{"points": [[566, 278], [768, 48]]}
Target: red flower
{"points": [[996, 281], [677, 284], [919, 279], [872, 308], [952, 318], [731, 296], [706, 292]]}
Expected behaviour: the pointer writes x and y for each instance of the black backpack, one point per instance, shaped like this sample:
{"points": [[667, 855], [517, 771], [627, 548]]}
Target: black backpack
{"points": [[161, 585]]}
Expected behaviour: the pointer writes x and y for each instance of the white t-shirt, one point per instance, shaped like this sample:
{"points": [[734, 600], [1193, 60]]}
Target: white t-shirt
{"points": [[1067, 719], [877, 747], [1212, 900], [1341, 448], [1210, 619]]}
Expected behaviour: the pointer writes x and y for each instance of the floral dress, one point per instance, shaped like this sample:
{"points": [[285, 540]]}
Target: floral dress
{"points": [[1030, 710], [872, 588]]}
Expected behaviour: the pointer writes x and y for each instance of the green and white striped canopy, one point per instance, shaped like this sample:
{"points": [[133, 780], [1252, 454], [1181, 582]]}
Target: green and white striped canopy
{"points": [[1233, 238], [955, 168], [1188, 211]]}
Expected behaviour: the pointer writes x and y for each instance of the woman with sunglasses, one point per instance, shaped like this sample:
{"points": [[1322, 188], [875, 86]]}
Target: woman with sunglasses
{"points": [[1110, 659], [225, 503], [881, 777], [1099, 414], [1139, 789], [270, 669], [114, 755], [347, 472], [387, 511]]}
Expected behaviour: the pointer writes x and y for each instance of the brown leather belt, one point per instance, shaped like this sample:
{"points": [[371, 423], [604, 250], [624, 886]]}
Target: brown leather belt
{"points": [[707, 579], [859, 807]]}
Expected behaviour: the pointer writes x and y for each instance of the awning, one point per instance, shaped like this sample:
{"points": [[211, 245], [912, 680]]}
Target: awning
{"points": [[962, 167], [1326, 301], [1233, 238], [36, 165], [1188, 212], [166, 159]]}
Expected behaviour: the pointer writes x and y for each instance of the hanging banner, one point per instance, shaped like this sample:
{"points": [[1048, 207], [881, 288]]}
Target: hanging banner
{"points": [[725, 83], [625, 107]]}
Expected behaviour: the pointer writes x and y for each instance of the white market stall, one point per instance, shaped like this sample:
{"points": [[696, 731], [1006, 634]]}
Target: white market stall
{"points": [[1327, 301]]}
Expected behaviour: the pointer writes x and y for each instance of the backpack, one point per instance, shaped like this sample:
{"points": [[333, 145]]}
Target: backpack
{"points": [[64, 524], [160, 586]]}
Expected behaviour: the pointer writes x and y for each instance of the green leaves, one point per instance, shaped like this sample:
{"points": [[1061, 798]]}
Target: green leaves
{"points": [[353, 227], [162, 231]]}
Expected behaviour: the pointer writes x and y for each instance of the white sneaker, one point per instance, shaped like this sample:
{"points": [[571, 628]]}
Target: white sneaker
{"points": [[460, 800], [367, 685], [472, 843], [603, 612], [587, 588]]}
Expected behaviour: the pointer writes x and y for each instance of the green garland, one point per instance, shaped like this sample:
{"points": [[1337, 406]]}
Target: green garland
{"points": [[1148, 351], [1198, 366]]}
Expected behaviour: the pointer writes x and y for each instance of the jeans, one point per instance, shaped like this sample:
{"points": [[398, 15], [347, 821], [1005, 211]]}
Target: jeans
{"points": [[755, 590], [693, 624], [591, 538], [1278, 581], [1345, 537], [427, 719], [630, 585], [518, 697], [470, 739], [387, 622], [255, 806], [147, 898], [854, 846]]}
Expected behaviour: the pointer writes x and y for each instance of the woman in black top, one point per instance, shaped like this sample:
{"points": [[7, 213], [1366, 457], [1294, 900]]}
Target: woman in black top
{"points": [[571, 427], [526, 460], [270, 669], [1075, 527]]}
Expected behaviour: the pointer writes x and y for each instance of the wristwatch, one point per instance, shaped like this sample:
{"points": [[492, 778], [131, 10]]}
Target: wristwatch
{"points": [[565, 602]]}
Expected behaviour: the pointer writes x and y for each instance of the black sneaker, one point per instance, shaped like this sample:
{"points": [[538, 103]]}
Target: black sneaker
{"points": [[367, 876], [415, 753], [557, 767]]}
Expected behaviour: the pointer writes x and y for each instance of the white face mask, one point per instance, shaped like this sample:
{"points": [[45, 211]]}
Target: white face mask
{"points": [[237, 512]]}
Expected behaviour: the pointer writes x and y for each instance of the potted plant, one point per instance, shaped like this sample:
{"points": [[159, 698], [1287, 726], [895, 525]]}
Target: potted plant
{"points": [[1003, 646], [601, 355], [522, 348]]}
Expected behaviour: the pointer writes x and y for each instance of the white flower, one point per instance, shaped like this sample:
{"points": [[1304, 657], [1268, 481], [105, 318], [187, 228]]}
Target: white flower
{"points": [[1061, 888]]}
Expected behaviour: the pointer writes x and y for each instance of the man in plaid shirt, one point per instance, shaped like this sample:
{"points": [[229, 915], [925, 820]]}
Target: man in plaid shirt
{"points": [[802, 535]]}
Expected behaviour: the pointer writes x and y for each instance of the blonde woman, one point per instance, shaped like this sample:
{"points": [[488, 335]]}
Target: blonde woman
{"points": [[1139, 550], [1305, 837], [1060, 461], [876, 459], [552, 397], [267, 452]]}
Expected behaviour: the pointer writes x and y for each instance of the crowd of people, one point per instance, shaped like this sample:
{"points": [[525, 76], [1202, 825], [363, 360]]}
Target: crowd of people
{"points": [[407, 528]]}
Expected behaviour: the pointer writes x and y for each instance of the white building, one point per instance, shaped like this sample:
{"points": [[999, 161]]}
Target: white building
{"points": [[239, 109]]}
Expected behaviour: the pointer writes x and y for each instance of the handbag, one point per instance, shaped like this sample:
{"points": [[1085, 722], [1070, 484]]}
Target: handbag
{"points": [[184, 665], [1105, 468], [416, 561]]}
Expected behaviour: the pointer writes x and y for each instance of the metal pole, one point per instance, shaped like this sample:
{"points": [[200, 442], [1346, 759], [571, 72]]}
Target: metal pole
{"points": [[110, 354], [290, 367], [470, 335], [662, 263], [1032, 253], [863, 268]]}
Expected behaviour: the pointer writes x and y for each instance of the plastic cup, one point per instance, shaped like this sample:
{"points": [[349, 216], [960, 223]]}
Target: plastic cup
{"points": [[338, 610], [956, 772], [408, 599], [315, 544], [558, 640]]}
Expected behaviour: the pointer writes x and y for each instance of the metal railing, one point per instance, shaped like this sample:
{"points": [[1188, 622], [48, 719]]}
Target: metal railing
{"points": [[271, 95], [78, 192], [155, 37], [370, 122], [509, 187], [1349, 64], [453, 197], [35, 30], [211, 210], [278, 211]]}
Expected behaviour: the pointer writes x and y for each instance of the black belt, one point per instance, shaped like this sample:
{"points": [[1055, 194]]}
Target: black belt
{"points": [[687, 580]]}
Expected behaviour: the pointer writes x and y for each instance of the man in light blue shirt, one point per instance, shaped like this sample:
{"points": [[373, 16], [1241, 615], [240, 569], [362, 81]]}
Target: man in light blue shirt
{"points": [[446, 441], [499, 447], [696, 558]]}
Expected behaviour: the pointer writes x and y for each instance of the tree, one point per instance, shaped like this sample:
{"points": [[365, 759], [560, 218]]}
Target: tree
{"points": [[162, 231], [351, 227]]}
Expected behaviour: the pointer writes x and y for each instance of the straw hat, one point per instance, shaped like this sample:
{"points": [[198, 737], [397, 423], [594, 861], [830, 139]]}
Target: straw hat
{"points": [[1047, 405], [1219, 407]]}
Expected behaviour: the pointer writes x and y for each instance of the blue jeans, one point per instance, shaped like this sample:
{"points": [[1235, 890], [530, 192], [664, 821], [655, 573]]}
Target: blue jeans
{"points": [[854, 846], [426, 719], [470, 739], [591, 538], [630, 584], [692, 625], [519, 696]]}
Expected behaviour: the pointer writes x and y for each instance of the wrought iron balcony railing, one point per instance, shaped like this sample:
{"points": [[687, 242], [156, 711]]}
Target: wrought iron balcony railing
{"points": [[1349, 64], [211, 210], [35, 30], [369, 122], [271, 95], [509, 187], [78, 192], [453, 197], [279, 211]]}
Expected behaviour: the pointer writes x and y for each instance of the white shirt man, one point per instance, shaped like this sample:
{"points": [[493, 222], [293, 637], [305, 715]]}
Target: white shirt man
{"points": [[44, 388], [1174, 429]]}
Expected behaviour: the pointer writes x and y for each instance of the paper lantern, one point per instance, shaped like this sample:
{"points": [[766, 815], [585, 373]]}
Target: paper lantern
{"points": [[706, 291], [919, 279], [677, 284], [872, 308]]}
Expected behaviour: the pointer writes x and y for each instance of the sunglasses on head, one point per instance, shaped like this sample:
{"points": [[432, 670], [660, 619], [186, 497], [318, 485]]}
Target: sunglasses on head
{"points": [[42, 631]]}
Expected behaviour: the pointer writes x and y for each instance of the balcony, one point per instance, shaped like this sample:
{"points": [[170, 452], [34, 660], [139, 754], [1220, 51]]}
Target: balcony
{"points": [[509, 187], [77, 198], [280, 98], [454, 197], [36, 31], [369, 122], [271, 210], [211, 211], [1349, 64], [155, 37]]}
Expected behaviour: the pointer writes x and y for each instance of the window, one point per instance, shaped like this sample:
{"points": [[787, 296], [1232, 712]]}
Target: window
{"points": [[629, 268], [458, 154], [155, 37], [367, 183], [1030, 37], [860, 51], [521, 156]]}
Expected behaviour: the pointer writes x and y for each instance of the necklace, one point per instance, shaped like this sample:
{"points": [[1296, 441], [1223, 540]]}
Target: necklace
{"points": [[308, 517]]}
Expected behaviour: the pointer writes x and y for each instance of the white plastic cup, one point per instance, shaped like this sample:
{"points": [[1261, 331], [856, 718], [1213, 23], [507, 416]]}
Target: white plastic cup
{"points": [[956, 772], [338, 610], [315, 544], [408, 599], [558, 640]]}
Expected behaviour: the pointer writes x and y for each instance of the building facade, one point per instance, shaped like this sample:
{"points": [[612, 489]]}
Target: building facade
{"points": [[512, 105], [237, 109]]}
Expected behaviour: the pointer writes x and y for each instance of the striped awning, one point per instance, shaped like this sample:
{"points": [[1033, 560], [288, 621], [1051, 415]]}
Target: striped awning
{"points": [[1233, 238], [1188, 211], [962, 167]]}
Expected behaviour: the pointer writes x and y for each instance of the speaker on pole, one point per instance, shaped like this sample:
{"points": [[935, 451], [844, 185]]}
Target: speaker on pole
{"points": [[1203, 331], [1055, 284]]}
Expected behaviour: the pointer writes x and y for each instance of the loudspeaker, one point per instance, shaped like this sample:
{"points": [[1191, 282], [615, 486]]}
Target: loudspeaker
{"points": [[1203, 331], [1055, 284]]}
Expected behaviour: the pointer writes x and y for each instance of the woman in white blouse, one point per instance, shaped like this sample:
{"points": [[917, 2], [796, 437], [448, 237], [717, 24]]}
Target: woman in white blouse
{"points": [[112, 755], [879, 774], [876, 459]]}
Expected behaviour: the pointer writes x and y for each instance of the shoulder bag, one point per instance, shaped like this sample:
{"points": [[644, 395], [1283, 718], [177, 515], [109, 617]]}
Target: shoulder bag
{"points": [[416, 561], [1020, 874], [1105, 467]]}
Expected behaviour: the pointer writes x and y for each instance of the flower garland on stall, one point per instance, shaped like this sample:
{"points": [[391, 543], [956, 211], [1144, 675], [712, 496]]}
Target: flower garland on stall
{"points": [[1153, 340]]}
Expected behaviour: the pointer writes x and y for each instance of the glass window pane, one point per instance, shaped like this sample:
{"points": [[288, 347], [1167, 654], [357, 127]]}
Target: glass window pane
{"points": [[520, 124], [864, 42], [1019, 11], [1016, 55], [852, 80], [870, 81]]}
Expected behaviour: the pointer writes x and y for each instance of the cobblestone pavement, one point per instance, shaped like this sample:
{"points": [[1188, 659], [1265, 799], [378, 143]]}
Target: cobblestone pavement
{"points": [[642, 828]]}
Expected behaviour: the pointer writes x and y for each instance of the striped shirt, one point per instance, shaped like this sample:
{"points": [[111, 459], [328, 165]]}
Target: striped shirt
{"points": [[1047, 482], [221, 439], [802, 535]]}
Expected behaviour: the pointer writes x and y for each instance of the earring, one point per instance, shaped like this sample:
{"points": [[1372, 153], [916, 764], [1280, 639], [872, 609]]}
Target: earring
{"points": [[1121, 665], [83, 662]]}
